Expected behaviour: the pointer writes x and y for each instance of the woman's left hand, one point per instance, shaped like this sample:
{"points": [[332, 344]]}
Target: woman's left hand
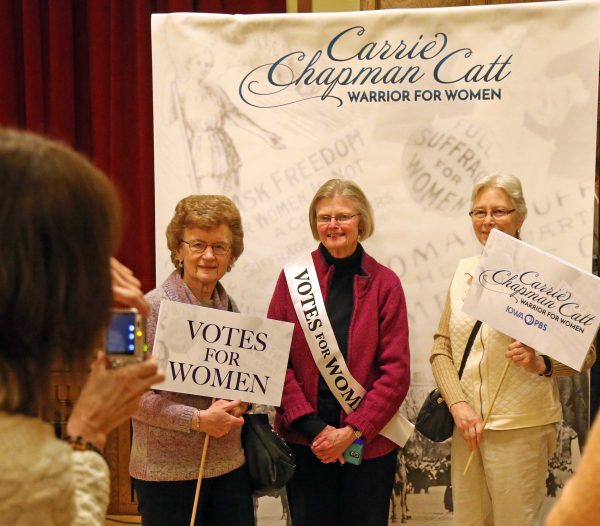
{"points": [[524, 356], [330, 444], [109, 398]]}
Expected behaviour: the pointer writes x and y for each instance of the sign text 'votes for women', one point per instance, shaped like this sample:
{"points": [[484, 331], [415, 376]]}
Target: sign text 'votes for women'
{"points": [[221, 354]]}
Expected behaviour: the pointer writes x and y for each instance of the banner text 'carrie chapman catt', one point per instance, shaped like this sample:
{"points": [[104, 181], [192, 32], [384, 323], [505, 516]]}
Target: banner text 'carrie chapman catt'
{"points": [[386, 63]]}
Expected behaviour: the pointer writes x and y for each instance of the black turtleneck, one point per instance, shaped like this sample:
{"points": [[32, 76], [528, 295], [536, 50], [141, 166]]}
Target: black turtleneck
{"points": [[339, 306], [340, 300]]}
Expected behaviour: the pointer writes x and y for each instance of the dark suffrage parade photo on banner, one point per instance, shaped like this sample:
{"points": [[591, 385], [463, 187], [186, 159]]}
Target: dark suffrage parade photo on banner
{"points": [[414, 106], [221, 354]]}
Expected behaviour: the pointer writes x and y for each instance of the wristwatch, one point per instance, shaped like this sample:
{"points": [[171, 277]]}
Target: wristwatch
{"points": [[357, 432], [548, 362]]}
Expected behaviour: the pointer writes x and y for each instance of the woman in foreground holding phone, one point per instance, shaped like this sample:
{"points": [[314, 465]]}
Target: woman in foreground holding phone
{"points": [[59, 225]]}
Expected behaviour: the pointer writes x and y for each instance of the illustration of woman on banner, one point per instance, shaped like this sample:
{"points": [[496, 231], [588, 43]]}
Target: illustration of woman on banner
{"points": [[202, 109]]}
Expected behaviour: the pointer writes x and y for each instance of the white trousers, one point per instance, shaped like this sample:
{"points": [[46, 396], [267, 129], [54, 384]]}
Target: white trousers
{"points": [[506, 481]]}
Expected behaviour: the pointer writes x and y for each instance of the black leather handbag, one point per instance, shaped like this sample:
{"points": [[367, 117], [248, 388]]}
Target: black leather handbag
{"points": [[269, 459], [434, 419]]}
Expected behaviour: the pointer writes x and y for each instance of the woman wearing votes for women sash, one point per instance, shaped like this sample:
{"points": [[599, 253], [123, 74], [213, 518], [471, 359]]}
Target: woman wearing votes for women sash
{"points": [[349, 366], [506, 481]]}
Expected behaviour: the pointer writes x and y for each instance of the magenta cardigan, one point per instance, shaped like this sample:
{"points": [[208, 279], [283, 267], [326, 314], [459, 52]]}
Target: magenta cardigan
{"points": [[378, 355]]}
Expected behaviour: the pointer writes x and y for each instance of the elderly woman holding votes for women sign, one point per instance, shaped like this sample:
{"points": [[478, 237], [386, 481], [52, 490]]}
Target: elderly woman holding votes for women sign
{"points": [[205, 238]]}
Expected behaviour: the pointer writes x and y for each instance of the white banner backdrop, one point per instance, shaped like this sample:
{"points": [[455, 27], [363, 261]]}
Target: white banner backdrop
{"points": [[261, 108], [412, 104]]}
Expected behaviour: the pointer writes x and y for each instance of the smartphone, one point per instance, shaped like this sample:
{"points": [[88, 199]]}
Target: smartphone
{"points": [[125, 341], [354, 452]]}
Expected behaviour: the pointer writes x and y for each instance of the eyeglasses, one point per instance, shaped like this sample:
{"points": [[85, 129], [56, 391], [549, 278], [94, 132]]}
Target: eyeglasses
{"points": [[496, 213], [199, 247], [340, 218]]}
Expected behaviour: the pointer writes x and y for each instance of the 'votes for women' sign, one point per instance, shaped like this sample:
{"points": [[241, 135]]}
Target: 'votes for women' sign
{"points": [[535, 298], [210, 352]]}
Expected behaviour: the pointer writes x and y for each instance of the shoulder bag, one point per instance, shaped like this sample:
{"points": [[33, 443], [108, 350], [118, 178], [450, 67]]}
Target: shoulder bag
{"points": [[269, 459], [434, 419]]}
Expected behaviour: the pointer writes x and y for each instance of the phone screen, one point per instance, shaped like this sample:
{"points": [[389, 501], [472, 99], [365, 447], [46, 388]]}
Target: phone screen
{"points": [[121, 333]]}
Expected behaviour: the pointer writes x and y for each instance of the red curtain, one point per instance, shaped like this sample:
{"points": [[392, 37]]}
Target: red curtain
{"points": [[80, 71]]}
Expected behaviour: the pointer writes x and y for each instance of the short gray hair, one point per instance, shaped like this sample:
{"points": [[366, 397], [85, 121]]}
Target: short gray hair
{"points": [[509, 183]]}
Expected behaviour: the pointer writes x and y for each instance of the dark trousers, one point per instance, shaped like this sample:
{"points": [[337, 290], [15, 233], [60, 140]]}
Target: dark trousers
{"points": [[224, 501], [340, 495]]}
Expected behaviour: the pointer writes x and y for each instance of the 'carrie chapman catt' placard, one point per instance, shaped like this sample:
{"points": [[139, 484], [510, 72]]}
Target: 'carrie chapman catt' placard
{"points": [[221, 354], [535, 298]]}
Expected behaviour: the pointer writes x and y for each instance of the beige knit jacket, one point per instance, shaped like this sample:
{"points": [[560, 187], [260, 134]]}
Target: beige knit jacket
{"points": [[43, 482]]}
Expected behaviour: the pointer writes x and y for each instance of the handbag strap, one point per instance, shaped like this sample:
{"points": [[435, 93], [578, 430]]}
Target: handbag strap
{"points": [[468, 347]]}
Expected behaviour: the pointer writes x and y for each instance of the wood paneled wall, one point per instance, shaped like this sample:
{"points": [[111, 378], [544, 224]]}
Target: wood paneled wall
{"points": [[65, 387]]}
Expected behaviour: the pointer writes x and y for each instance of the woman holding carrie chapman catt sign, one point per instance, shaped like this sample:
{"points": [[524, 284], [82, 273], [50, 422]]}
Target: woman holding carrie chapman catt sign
{"points": [[348, 370], [505, 483]]}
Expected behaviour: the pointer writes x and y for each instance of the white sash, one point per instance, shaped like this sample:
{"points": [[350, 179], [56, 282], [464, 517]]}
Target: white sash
{"points": [[305, 292]]}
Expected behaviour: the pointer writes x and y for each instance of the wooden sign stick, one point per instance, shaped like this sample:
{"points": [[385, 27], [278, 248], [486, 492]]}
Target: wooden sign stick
{"points": [[508, 362], [200, 473]]}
